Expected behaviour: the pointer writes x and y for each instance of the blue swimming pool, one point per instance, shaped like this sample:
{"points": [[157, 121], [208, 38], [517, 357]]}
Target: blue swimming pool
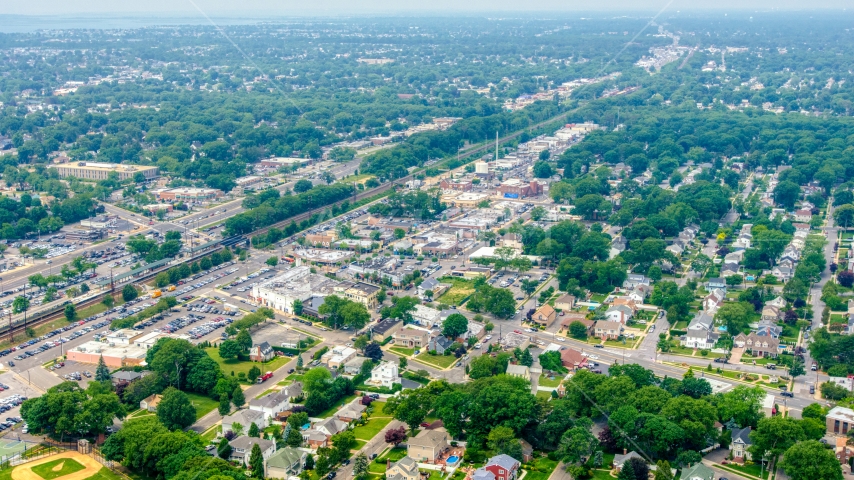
{"points": [[452, 460]]}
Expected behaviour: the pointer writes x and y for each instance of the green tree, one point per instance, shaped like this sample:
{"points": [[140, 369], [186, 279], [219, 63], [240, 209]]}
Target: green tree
{"points": [[20, 305], [455, 325], [577, 443], [244, 340], [810, 460], [237, 397], [316, 379], [175, 410], [503, 440], [578, 330], [129, 293], [360, 466], [102, 373], [223, 450], [272, 261], [256, 462], [254, 373], [775, 435], [109, 301], [70, 312], [294, 438], [254, 431], [229, 349], [224, 405]]}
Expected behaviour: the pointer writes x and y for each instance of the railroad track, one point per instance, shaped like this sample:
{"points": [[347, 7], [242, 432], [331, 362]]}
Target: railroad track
{"points": [[46, 315], [386, 186]]}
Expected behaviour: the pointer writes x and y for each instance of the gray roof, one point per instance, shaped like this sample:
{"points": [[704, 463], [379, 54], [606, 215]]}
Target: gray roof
{"points": [[264, 347], [504, 461], [270, 400], [293, 390], [428, 284], [483, 474], [702, 321], [742, 434], [243, 417], [126, 376], [245, 442], [619, 459]]}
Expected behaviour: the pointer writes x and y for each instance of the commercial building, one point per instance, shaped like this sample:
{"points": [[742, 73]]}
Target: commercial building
{"points": [[515, 188], [101, 171], [188, 194], [361, 292], [114, 357], [839, 421], [460, 185], [338, 356], [322, 255], [297, 283]]}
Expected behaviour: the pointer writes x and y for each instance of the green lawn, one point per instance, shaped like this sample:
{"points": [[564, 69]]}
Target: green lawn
{"points": [[459, 291], [403, 351], [237, 366], [602, 475], [202, 404], [747, 469], [66, 467], [547, 382], [372, 428], [441, 361], [211, 433], [334, 408], [540, 468], [394, 454], [544, 394]]}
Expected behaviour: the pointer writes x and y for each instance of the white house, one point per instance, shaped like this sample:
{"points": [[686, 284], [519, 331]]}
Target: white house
{"points": [[699, 333], [384, 375], [271, 404], [633, 280], [241, 448], [339, 355], [245, 418], [619, 313]]}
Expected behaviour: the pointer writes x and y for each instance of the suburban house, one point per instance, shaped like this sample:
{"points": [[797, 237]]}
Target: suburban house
{"points": [[767, 328], [714, 283], [385, 375], [425, 316], [803, 215], [409, 337], [330, 426], [699, 333], [633, 280], [839, 420], [272, 403], [607, 330], [572, 359], [778, 302], [772, 313], [354, 366], [261, 352], [740, 444], [520, 371], [429, 284], [351, 412], [150, 403], [403, 469], [245, 418], [675, 249], [714, 300], [620, 314], [620, 460], [315, 439], [439, 344], [697, 472], [125, 376], [639, 293], [843, 451], [544, 315], [241, 448], [783, 273], [285, 463], [427, 445], [502, 467], [565, 302], [759, 346], [387, 327], [338, 356]]}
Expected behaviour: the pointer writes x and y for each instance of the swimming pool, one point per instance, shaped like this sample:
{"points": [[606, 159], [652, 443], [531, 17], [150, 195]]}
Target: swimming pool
{"points": [[453, 459]]}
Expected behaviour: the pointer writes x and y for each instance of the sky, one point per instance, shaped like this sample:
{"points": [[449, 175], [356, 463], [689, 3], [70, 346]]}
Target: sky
{"points": [[367, 7]]}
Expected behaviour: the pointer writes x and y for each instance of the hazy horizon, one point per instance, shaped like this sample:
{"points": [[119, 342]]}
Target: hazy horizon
{"points": [[267, 8]]}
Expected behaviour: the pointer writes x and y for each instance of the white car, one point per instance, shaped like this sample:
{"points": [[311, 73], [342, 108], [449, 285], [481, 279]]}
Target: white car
{"points": [[488, 337]]}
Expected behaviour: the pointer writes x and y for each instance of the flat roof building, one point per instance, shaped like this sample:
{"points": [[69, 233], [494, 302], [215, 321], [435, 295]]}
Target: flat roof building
{"points": [[297, 283], [114, 357], [101, 171], [188, 194]]}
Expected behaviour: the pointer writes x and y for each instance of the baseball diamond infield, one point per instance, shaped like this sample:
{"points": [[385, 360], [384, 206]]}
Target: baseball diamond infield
{"points": [[91, 467]]}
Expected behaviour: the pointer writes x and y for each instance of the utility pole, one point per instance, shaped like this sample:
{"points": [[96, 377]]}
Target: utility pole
{"points": [[496, 145]]}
